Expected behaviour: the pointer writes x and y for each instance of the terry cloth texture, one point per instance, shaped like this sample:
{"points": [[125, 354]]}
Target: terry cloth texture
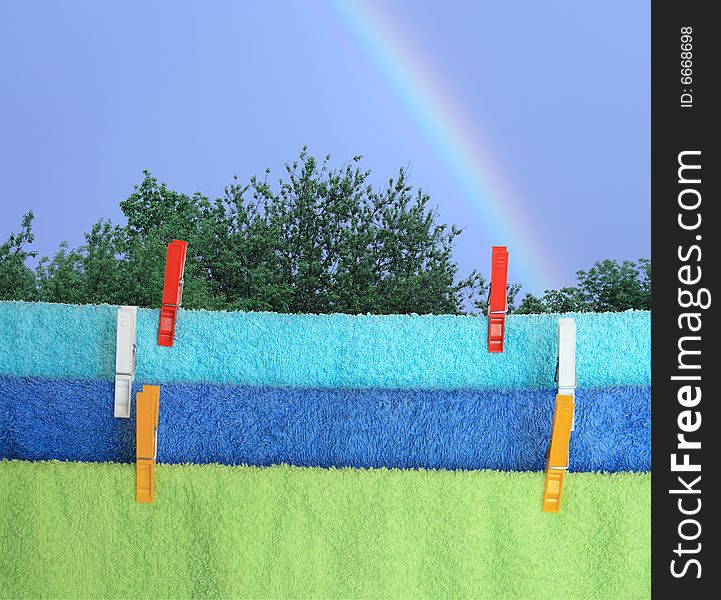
{"points": [[395, 351], [57, 340], [74, 530], [43, 419]]}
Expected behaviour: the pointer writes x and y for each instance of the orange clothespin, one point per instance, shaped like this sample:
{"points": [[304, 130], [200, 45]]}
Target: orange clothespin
{"points": [[147, 404], [172, 290], [497, 299], [557, 459]]}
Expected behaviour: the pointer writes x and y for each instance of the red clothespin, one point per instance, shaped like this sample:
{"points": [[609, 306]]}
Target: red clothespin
{"points": [[497, 299], [172, 290]]}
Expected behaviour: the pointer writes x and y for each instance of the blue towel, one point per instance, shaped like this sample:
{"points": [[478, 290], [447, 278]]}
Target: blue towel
{"points": [[42, 419], [57, 340], [330, 351]]}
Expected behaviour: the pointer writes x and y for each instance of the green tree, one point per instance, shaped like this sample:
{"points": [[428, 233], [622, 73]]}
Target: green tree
{"points": [[530, 304], [340, 246], [608, 286], [567, 299], [613, 286], [61, 279], [17, 281], [322, 240]]}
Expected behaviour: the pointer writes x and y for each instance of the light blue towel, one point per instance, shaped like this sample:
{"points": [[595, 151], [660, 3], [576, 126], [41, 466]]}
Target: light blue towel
{"points": [[334, 351]]}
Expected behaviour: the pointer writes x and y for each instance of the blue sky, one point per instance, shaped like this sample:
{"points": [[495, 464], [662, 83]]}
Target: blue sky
{"points": [[556, 94]]}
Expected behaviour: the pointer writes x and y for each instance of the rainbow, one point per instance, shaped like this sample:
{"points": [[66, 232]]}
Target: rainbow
{"points": [[445, 126]]}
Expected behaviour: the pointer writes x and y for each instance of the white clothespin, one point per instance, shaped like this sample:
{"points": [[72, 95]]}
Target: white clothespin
{"points": [[566, 369], [125, 359]]}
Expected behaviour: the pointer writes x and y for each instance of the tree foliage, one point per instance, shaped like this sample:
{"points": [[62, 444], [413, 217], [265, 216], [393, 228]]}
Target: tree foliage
{"points": [[17, 281], [321, 241], [608, 286]]}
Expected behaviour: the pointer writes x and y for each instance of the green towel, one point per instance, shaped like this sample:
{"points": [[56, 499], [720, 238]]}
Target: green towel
{"points": [[74, 530]]}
